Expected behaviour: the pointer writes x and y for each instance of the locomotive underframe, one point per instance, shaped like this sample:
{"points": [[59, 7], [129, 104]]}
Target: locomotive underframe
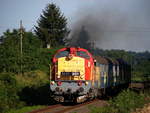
{"points": [[71, 91]]}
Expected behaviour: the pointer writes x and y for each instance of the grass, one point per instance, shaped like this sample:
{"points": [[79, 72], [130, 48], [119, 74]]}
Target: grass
{"points": [[25, 109]]}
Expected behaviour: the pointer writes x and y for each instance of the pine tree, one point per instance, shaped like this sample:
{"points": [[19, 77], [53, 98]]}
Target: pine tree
{"points": [[52, 26]]}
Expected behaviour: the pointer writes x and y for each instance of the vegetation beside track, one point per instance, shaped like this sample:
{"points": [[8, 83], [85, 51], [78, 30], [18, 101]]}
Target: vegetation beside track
{"points": [[126, 102], [25, 109]]}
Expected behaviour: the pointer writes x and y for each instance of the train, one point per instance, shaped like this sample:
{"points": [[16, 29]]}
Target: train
{"points": [[77, 75]]}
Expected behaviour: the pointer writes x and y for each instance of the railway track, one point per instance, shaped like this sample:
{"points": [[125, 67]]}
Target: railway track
{"points": [[60, 108]]}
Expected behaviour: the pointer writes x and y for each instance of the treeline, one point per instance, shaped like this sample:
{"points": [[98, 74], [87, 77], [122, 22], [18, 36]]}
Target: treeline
{"points": [[139, 61], [33, 56]]}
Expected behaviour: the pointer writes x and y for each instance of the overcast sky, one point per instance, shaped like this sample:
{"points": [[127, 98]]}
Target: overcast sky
{"points": [[123, 24]]}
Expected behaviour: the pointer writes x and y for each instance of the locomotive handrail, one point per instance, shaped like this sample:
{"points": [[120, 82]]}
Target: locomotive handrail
{"points": [[50, 72]]}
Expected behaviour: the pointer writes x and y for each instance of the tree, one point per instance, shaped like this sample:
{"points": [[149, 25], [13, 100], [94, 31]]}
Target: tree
{"points": [[52, 27], [10, 56], [9, 90]]}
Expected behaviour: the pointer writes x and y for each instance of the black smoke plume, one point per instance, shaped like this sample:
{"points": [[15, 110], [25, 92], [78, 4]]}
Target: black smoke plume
{"points": [[112, 24]]}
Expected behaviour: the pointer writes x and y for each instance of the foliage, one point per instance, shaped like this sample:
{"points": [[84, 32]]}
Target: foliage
{"points": [[36, 95], [25, 109], [9, 52], [140, 62], [32, 79], [10, 56], [8, 92], [52, 26], [30, 89], [125, 102], [33, 58], [34, 88], [144, 68]]}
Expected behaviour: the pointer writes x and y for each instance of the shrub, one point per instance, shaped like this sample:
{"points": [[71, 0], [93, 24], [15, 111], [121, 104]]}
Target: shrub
{"points": [[34, 87], [8, 92], [32, 79], [125, 102]]}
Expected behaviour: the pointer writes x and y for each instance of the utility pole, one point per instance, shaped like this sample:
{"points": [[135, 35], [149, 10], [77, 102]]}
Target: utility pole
{"points": [[21, 37]]}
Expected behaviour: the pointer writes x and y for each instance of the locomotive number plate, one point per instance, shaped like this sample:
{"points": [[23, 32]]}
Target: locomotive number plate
{"points": [[70, 73]]}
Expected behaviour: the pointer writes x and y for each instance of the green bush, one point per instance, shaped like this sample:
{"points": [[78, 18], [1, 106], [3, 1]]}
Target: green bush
{"points": [[16, 91], [125, 102], [34, 87], [8, 92], [32, 79]]}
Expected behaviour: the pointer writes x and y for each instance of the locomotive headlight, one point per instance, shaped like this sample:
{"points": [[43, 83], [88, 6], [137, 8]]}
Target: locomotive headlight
{"points": [[86, 83], [52, 82], [59, 83], [58, 76]]}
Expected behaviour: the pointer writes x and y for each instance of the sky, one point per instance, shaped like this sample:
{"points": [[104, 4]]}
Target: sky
{"points": [[112, 24]]}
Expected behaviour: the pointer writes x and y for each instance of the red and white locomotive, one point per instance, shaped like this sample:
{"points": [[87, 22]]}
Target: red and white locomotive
{"points": [[77, 76]]}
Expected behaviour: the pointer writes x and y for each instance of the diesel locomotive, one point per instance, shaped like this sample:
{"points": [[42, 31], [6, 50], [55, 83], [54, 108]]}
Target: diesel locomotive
{"points": [[77, 76]]}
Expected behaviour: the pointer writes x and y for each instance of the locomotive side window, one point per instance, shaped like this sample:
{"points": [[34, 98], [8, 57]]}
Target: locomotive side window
{"points": [[83, 54], [62, 54]]}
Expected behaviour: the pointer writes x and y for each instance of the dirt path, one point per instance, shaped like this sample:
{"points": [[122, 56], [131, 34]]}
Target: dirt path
{"points": [[85, 109]]}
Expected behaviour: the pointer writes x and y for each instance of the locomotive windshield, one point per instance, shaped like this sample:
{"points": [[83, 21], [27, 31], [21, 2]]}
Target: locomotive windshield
{"points": [[67, 52], [62, 54], [83, 54]]}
